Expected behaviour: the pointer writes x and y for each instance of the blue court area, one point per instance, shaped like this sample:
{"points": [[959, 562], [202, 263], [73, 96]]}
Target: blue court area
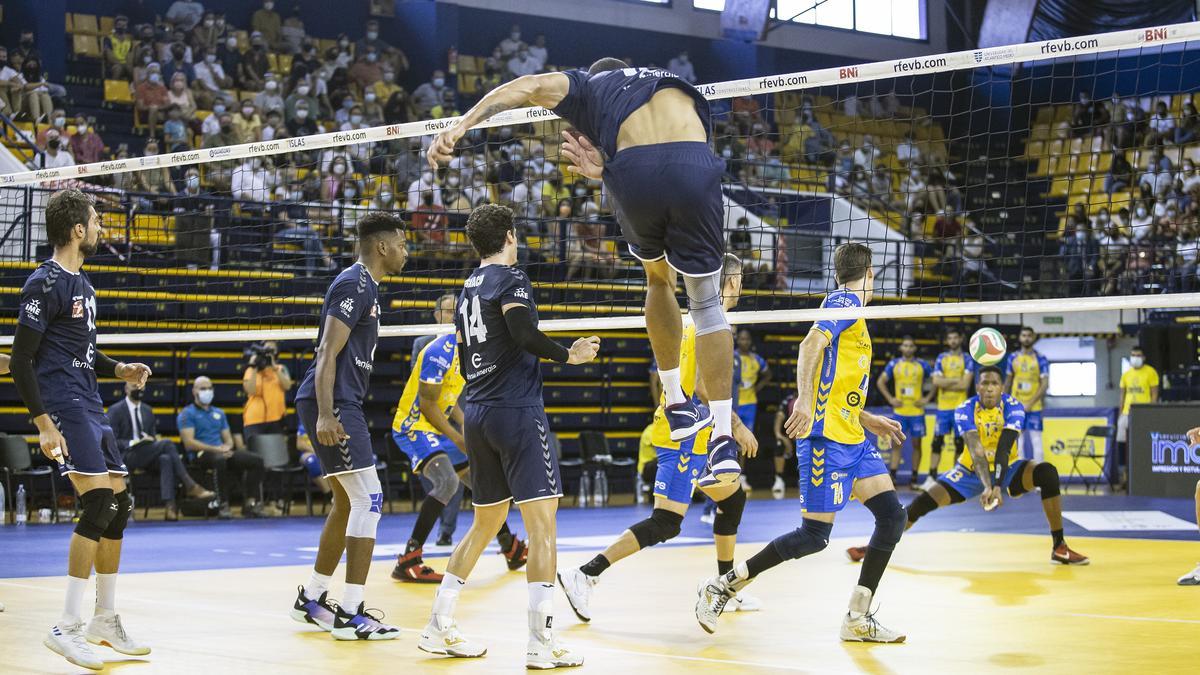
{"points": [[150, 546]]}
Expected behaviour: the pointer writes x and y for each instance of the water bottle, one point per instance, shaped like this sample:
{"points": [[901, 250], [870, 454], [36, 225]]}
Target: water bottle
{"points": [[22, 516]]}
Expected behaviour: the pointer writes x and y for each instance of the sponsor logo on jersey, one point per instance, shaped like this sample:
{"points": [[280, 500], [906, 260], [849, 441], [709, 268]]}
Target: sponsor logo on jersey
{"points": [[33, 308], [347, 306], [522, 293], [365, 365]]}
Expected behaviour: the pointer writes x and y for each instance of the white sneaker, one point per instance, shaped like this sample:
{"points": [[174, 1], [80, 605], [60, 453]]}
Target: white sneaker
{"points": [[1191, 578], [712, 596], [545, 652], [1, 606], [859, 624], [448, 641], [744, 602], [578, 587], [929, 483], [106, 630], [68, 642], [708, 517], [778, 490]]}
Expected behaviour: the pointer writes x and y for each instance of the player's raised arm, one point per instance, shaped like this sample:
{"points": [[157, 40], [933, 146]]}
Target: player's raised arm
{"points": [[546, 90]]}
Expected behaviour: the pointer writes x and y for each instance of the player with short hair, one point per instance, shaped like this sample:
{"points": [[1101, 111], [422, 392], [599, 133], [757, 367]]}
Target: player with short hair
{"points": [[646, 133], [424, 428], [953, 372], [679, 468], [1193, 578], [910, 377], [836, 459], [990, 424], [329, 404], [507, 436], [1026, 378], [54, 365], [1139, 384]]}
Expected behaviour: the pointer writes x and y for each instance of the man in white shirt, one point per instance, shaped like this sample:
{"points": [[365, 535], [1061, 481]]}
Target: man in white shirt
{"points": [[56, 154], [867, 154], [907, 152], [210, 78], [682, 66], [251, 181], [11, 82], [422, 185], [523, 64], [538, 51], [510, 44]]}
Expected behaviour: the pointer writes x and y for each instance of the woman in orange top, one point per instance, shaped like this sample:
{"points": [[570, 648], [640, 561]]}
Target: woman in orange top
{"points": [[265, 383]]}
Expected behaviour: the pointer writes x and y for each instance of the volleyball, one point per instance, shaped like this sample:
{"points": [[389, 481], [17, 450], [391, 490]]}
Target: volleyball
{"points": [[988, 346]]}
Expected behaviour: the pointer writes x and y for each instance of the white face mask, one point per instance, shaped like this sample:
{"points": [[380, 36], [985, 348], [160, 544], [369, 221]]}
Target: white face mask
{"points": [[193, 182], [579, 192], [301, 114], [385, 196], [339, 169], [452, 181], [205, 396], [1141, 212], [211, 58], [231, 43], [268, 6], [247, 112], [349, 192], [302, 90], [272, 85], [369, 97], [356, 119], [155, 78], [1137, 361], [427, 178], [372, 35], [439, 82]]}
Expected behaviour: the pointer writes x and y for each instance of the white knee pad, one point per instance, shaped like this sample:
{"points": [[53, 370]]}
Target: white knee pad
{"points": [[443, 479], [366, 502], [704, 303]]}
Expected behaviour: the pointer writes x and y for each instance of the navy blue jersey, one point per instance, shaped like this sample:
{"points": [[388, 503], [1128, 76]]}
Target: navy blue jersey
{"points": [[596, 105], [61, 305], [498, 372], [353, 299]]}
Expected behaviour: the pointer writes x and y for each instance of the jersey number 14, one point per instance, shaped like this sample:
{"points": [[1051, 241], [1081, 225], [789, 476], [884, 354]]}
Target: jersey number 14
{"points": [[473, 326]]}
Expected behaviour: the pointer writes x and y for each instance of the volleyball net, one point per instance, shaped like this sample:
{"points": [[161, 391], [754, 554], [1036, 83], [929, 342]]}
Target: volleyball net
{"points": [[1049, 176]]}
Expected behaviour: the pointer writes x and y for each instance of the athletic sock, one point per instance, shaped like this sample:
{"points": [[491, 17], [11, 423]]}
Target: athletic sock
{"points": [[541, 609], [106, 593], [431, 510], [352, 598], [1058, 538], [722, 417], [596, 566], [317, 584], [73, 607], [723, 566], [446, 600], [762, 561], [671, 387]]}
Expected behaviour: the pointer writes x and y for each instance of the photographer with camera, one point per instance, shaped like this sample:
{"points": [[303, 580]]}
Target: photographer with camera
{"points": [[265, 382]]}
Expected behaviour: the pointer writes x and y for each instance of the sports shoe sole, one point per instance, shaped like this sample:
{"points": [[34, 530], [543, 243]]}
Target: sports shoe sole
{"points": [[1085, 561], [550, 665], [98, 665], [442, 651], [726, 472], [570, 601], [1189, 581], [899, 640], [301, 616], [101, 642], [348, 635], [691, 430]]}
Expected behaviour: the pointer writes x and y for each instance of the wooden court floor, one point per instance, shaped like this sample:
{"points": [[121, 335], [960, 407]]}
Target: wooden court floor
{"points": [[970, 603]]}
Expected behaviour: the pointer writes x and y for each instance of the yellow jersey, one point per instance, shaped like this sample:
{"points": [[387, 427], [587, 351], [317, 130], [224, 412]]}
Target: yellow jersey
{"points": [[436, 364], [660, 434], [908, 383], [753, 366], [1136, 383], [1027, 371], [952, 365], [841, 384], [989, 422]]}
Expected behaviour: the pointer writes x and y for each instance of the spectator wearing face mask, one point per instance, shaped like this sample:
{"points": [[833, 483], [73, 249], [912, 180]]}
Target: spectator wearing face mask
{"points": [[366, 70], [255, 64], [342, 116], [273, 127], [252, 181], [269, 98], [1120, 173], [681, 66], [430, 93], [387, 53], [149, 99], [538, 51], [118, 50], [448, 106], [204, 430], [246, 123], [86, 144], [399, 109], [337, 177], [35, 91], [509, 45], [384, 199], [424, 185], [206, 35], [292, 33], [429, 221], [211, 79], [267, 21], [1079, 253], [301, 93], [226, 135], [58, 123], [522, 63], [303, 122], [156, 180], [56, 154], [1142, 222], [188, 197], [386, 86], [230, 55]]}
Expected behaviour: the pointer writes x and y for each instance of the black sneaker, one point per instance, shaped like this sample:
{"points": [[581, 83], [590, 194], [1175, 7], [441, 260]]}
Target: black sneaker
{"points": [[444, 540]]}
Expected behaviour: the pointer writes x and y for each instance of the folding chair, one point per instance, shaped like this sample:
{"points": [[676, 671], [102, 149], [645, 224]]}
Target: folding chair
{"points": [[1087, 449]]}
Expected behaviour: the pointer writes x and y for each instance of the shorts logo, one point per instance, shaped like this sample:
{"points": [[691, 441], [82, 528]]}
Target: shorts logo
{"points": [[853, 399], [546, 458], [77, 309], [347, 306], [33, 308]]}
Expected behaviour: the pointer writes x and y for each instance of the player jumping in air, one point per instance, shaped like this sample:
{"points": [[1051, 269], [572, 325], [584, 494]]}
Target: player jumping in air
{"points": [[835, 458], [424, 428], [645, 133], [329, 404], [507, 436], [953, 372], [54, 365], [910, 376], [990, 424], [679, 466]]}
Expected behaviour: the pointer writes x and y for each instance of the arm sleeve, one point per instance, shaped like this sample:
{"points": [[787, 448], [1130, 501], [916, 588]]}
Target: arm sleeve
{"points": [[1008, 440], [24, 349], [105, 365], [528, 337]]}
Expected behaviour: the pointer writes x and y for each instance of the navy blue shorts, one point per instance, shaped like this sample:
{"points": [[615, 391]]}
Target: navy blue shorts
{"points": [[510, 454], [354, 453], [91, 447], [669, 203]]}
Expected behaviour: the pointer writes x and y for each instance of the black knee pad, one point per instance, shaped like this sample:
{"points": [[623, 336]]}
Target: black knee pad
{"points": [[96, 511], [920, 506], [1045, 477], [890, 520], [729, 513], [811, 537], [936, 446], [959, 444], [116, 527], [662, 525]]}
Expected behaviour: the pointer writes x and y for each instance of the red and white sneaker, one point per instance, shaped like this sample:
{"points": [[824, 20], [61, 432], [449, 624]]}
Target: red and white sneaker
{"points": [[1063, 555], [411, 568], [517, 555], [856, 553]]}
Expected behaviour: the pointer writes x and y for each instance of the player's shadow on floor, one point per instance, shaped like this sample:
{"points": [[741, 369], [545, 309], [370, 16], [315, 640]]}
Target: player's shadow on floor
{"points": [[1005, 588], [115, 663]]}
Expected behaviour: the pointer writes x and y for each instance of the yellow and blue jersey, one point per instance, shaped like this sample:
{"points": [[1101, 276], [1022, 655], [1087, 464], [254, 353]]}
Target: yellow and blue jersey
{"points": [[1027, 371], [436, 364], [752, 366], [841, 383], [952, 365], [989, 422], [908, 383]]}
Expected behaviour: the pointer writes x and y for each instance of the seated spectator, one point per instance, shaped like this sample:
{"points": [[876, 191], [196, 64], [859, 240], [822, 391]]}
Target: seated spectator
{"points": [[291, 33], [1087, 115], [772, 171], [1161, 126], [429, 221], [509, 45], [252, 181], [422, 185], [141, 447], [1120, 173], [247, 124], [386, 86], [303, 122], [522, 63], [384, 199], [86, 145], [452, 195], [1158, 176], [388, 54], [907, 151], [273, 128], [538, 52], [1187, 253], [191, 190], [181, 97], [269, 98], [255, 64], [11, 84], [35, 93], [914, 191], [586, 252], [1188, 130], [175, 131], [118, 50], [206, 35], [204, 430], [1113, 248], [477, 191], [868, 154], [149, 99], [230, 56], [56, 154], [337, 175], [448, 107], [342, 115], [1079, 253], [371, 109], [185, 14], [294, 233], [1142, 222], [58, 123], [226, 135], [267, 22], [430, 93], [211, 79], [366, 70], [156, 180], [881, 191], [682, 67], [760, 142], [1188, 177], [123, 180]]}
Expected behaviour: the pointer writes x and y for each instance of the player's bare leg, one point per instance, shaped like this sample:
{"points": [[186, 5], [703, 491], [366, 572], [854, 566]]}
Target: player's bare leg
{"points": [[312, 603], [364, 497], [1044, 477], [727, 518], [543, 650], [1193, 578], [664, 326]]}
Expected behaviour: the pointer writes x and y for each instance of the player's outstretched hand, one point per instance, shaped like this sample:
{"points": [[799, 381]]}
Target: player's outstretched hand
{"points": [[330, 431], [800, 421], [135, 373], [745, 440], [584, 158], [442, 149], [1194, 436], [886, 429], [991, 498], [584, 350]]}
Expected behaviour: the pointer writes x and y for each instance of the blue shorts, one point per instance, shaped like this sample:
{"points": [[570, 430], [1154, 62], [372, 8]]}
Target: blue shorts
{"points": [[1033, 421], [748, 413], [964, 481], [91, 447], [354, 453], [669, 203], [944, 423], [421, 445], [510, 454], [912, 425], [828, 470], [677, 472]]}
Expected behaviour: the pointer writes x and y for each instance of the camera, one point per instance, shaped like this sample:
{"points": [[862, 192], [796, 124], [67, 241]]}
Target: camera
{"points": [[260, 356]]}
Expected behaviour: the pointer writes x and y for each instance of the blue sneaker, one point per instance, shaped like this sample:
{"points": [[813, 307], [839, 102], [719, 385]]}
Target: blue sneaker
{"points": [[723, 466], [362, 625], [319, 612], [687, 419]]}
